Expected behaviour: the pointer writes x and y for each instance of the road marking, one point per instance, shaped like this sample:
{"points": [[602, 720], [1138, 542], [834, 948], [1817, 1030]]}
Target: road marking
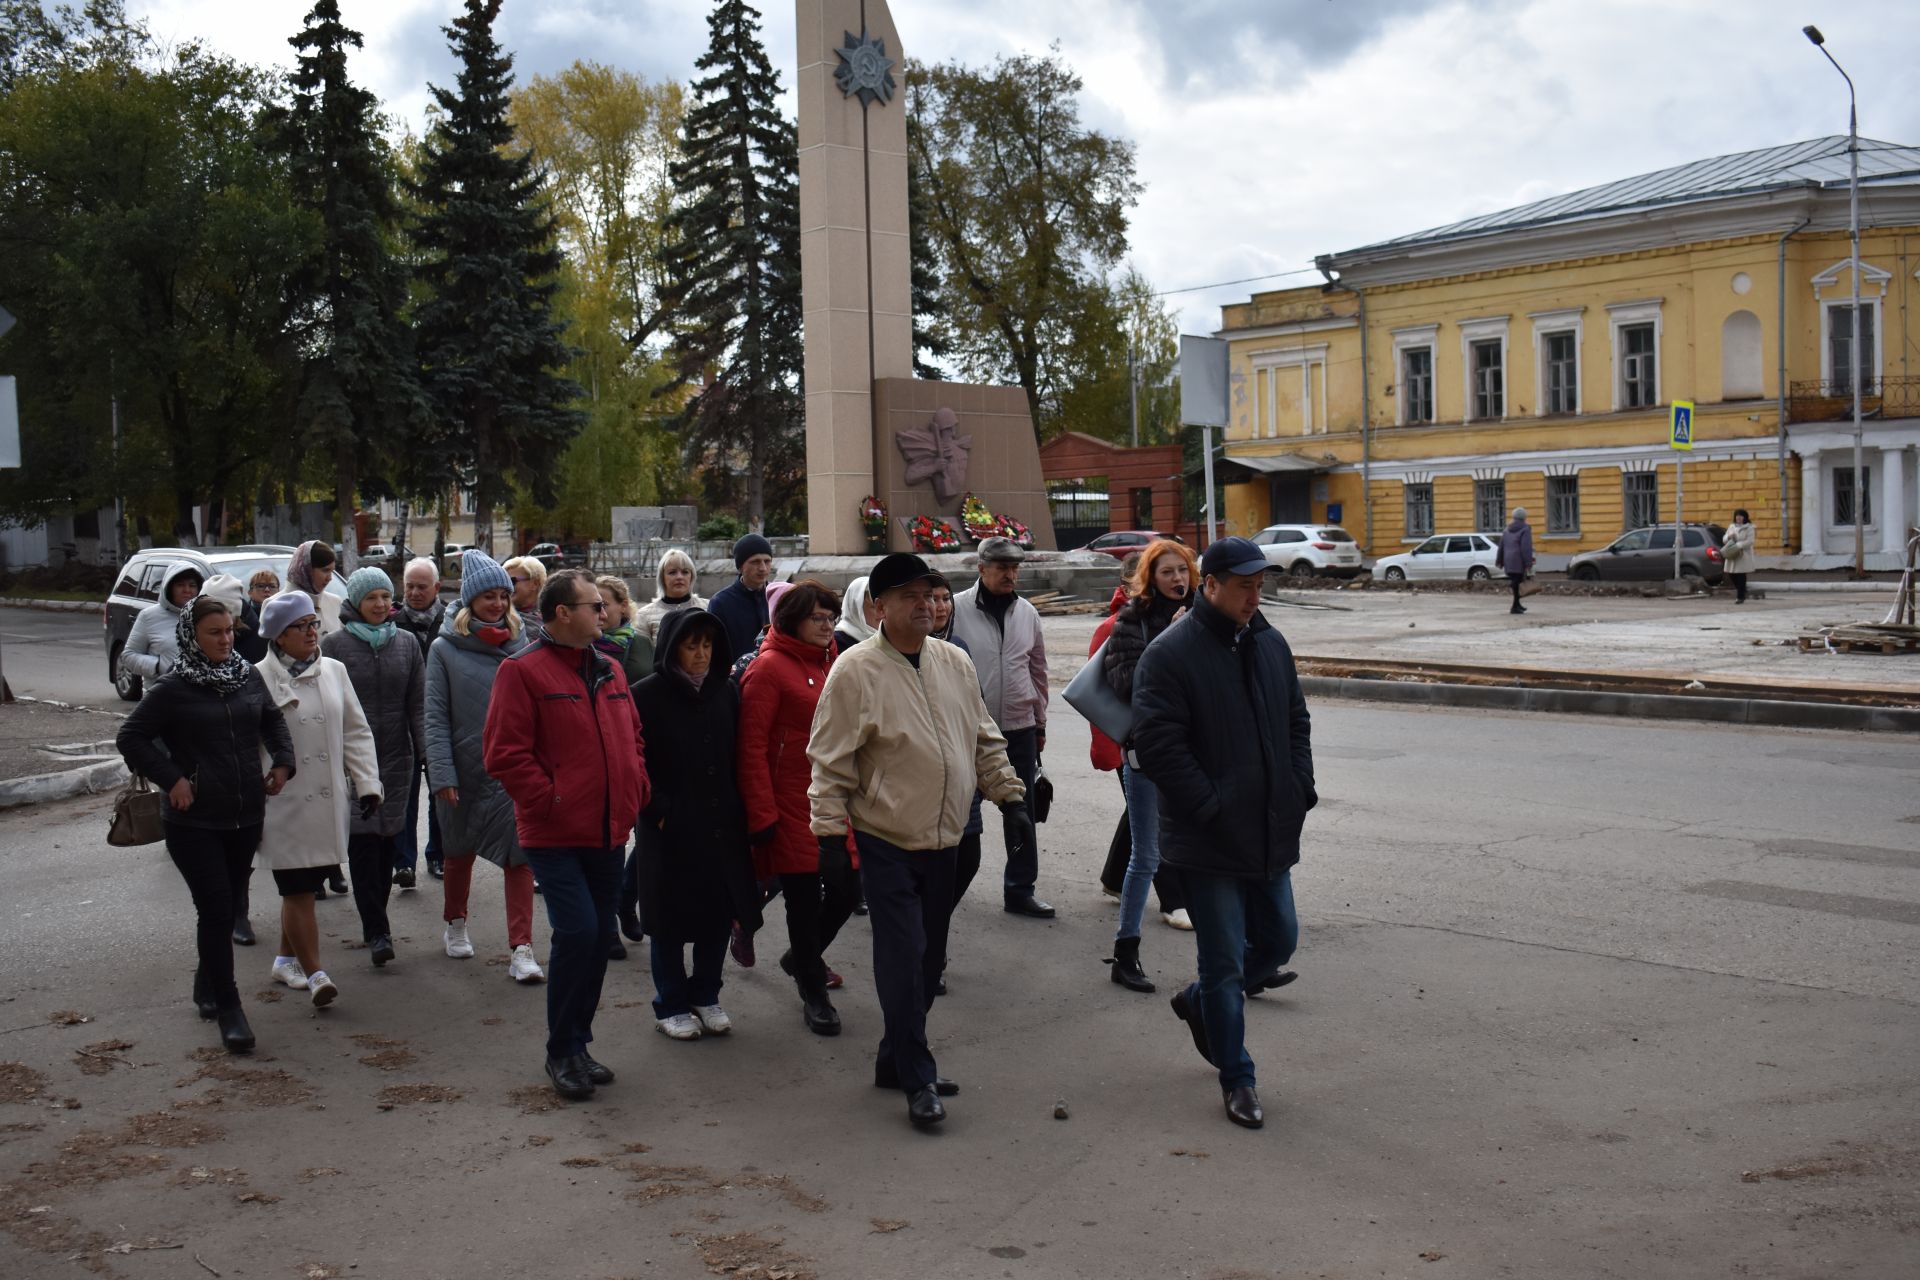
{"points": [[1866, 853], [1839, 904]]}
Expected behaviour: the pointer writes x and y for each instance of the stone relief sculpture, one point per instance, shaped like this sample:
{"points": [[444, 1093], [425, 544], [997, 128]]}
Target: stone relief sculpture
{"points": [[937, 452]]}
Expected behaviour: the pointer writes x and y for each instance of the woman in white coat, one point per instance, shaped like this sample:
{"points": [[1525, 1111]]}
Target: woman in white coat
{"points": [[305, 836], [1736, 549]]}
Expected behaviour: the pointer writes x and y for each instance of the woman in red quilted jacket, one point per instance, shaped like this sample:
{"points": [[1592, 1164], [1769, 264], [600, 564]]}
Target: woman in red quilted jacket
{"points": [[777, 696]]}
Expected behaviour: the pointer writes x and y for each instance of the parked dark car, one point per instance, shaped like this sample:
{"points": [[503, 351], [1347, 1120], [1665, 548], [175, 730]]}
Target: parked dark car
{"points": [[1646, 555], [139, 586], [555, 555], [1122, 543]]}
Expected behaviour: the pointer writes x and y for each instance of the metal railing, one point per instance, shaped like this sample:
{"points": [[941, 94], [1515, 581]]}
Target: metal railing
{"points": [[1831, 400]]}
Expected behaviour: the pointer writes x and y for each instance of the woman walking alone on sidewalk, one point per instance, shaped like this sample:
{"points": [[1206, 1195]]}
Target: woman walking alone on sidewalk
{"points": [[695, 874], [1737, 549], [198, 735], [778, 694], [384, 664], [1515, 557], [1158, 595], [476, 813], [675, 592], [306, 836]]}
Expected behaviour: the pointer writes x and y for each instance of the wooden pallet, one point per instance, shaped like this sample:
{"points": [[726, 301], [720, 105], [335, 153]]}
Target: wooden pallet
{"points": [[1860, 640]]}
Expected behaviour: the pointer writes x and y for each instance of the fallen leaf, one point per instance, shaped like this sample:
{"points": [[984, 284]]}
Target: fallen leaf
{"points": [[887, 1226]]}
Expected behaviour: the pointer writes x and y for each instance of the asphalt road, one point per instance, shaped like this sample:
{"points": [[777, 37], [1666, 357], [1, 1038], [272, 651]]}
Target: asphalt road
{"points": [[59, 656], [1578, 998]]}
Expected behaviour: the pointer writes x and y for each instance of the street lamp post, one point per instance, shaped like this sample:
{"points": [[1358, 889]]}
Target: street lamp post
{"points": [[1854, 361]]}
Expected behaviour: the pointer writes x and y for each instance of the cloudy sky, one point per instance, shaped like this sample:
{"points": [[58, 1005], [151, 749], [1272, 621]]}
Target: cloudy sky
{"points": [[1272, 130]]}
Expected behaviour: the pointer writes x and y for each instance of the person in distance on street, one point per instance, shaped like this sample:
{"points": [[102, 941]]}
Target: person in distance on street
{"points": [[475, 812], [1160, 592], [1002, 633], [1221, 729], [421, 613], [391, 680], [1515, 556], [742, 605], [694, 872], [901, 721], [307, 825], [199, 735], [563, 738], [779, 693], [1737, 549]]}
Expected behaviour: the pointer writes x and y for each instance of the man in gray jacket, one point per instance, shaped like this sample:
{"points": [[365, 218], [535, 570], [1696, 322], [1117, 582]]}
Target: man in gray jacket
{"points": [[1002, 632]]}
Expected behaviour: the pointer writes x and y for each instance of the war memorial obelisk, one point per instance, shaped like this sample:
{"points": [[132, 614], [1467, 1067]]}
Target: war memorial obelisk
{"points": [[872, 428]]}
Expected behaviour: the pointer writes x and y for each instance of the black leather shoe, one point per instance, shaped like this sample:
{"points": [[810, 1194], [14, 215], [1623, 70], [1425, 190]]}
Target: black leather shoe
{"points": [[320, 893], [940, 985], [1272, 982], [860, 907], [382, 949], [630, 924], [1126, 966], [924, 1109], [1243, 1107], [1028, 905], [337, 883], [592, 1070], [569, 1080], [403, 878], [235, 1034], [618, 951], [821, 1017], [885, 1079], [243, 932], [1183, 1009]]}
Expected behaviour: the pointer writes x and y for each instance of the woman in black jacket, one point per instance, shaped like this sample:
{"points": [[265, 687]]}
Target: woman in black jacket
{"points": [[217, 722], [1158, 594], [694, 868]]}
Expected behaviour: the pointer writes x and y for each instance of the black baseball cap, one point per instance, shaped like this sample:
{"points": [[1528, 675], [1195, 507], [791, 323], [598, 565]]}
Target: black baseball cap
{"points": [[897, 570], [1235, 556]]}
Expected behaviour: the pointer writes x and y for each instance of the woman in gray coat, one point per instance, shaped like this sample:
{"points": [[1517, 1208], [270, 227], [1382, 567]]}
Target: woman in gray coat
{"points": [[388, 677], [476, 813]]}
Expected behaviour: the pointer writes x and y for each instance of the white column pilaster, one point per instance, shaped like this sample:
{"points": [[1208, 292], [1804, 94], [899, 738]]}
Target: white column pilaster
{"points": [[1890, 504], [1813, 518]]}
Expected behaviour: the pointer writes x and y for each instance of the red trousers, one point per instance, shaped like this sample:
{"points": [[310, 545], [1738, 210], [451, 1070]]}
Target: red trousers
{"points": [[459, 879]]}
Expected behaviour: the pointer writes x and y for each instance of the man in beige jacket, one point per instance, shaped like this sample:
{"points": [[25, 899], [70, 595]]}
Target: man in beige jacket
{"points": [[900, 740]]}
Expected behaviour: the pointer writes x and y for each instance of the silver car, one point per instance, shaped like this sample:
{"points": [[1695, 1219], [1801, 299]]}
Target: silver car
{"points": [[1468, 556], [1646, 555]]}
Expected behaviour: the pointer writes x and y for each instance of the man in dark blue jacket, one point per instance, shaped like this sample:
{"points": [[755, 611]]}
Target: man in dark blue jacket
{"points": [[1221, 726], [742, 607]]}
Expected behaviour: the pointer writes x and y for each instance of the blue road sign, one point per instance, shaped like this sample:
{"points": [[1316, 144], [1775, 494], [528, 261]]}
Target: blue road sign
{"points": [[1680, 425]]}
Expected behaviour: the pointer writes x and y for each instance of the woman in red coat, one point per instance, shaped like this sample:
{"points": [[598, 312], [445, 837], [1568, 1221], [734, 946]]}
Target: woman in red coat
{"points": [[777, 696]]}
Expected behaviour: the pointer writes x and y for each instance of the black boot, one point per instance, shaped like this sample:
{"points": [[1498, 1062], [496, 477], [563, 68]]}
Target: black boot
{"points": [[821, 1017], [630, 921], [203, 1002], [1126, 966], [235, 1034]]}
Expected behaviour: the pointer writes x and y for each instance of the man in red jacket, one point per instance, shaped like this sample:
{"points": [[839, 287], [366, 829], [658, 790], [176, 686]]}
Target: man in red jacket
{"points": [[563, 738]]}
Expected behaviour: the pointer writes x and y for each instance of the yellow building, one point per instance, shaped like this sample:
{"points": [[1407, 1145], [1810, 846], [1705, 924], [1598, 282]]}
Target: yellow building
{"points": [[1528, 358]]}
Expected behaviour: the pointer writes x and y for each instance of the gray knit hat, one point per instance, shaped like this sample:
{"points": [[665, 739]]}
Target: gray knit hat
{"points": [[480, 572], [282, 611]]}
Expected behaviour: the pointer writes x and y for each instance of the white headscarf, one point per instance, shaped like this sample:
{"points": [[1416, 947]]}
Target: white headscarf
{"points": [[853, 610]]}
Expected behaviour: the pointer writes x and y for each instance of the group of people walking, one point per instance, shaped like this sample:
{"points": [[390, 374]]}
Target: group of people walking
{"points": [[780, 740]]}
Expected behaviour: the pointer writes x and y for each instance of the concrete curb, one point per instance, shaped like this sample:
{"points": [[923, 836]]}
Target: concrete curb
{"points": [[1650, 706], [52, 606], [88, 779], [1773, 584]]}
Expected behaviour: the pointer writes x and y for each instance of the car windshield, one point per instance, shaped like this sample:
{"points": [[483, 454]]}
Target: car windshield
{"points": [[1335, 535]]}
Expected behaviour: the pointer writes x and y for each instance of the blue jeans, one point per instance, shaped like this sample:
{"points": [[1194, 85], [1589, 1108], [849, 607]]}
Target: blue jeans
{"points": [[1239, 927], [1143, 824], [674, 991], [581, 887], [406, 845]]}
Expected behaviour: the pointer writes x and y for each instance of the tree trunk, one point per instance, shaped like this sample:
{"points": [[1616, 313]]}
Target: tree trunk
{"points": [[344, 484], [482, 469]]}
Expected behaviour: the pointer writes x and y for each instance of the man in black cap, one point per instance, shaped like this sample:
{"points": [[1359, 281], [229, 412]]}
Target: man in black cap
{"points": [[1221, 726], [900, 741], [742, 605]]}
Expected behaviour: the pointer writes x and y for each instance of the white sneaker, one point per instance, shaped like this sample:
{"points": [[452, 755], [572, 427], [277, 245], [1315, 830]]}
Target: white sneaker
{"points": [[323, 989], [1178, 919], [459, 945], [287, 970], [681, 1026], [713, 1019], [523, 967]]}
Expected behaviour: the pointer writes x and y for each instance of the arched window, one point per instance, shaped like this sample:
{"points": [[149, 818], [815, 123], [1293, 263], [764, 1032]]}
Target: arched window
{"points": [[1741, 369]]}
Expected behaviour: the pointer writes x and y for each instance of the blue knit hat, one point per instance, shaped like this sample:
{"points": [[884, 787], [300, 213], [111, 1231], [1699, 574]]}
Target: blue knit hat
{"points": [[367, 578], [480, 572]]}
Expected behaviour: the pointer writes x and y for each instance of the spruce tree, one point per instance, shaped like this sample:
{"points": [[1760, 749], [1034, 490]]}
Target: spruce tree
{"points": [[930, 311], [732, 263], [359, 396], [491, 346]]}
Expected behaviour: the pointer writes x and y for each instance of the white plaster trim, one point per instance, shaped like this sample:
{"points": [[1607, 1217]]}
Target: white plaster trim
{"points": [[1304, 358], [1643, 457], [1415, 337], [1489, 473], [1484, 329], [1620, 315], [1562, 469], [1288, 330], [1872, 307], [1546, 324], [1417, 477], [1869, 275]]}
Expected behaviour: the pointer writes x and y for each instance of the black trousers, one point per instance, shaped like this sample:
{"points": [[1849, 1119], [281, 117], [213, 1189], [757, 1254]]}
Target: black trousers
{"points": [[1023, 862], [1515, 579], [370, 862], [909, 901], [816, 910], [215, 865], [1739, 587]]}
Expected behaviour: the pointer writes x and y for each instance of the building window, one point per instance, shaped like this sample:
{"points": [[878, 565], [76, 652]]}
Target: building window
{"points": [[1640, 498], [1562, 356], [1840, 350], [1489, 505], [1489, 395], [1563, 505], [1416, 384], [1143, 507], [1419, 510], [1843, 496], [1639, 375]]}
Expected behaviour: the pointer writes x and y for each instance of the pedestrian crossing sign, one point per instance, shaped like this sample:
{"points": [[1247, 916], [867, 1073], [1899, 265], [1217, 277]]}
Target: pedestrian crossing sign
{"points": [[1680, 425]]}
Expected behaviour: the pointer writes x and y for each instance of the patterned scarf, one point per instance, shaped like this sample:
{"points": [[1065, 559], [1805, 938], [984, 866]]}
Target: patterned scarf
{"points": [[223, 678]]}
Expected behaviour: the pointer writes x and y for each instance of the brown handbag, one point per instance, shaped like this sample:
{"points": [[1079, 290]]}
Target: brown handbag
{"points": [[139, 815]]}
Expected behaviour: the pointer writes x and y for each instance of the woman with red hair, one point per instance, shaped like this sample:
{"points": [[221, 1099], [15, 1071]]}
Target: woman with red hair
{"points": [[1158, 592]]}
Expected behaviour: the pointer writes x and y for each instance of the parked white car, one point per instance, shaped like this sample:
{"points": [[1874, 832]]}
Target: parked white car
{"points": [[1444, 555], [1310, 550]]}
